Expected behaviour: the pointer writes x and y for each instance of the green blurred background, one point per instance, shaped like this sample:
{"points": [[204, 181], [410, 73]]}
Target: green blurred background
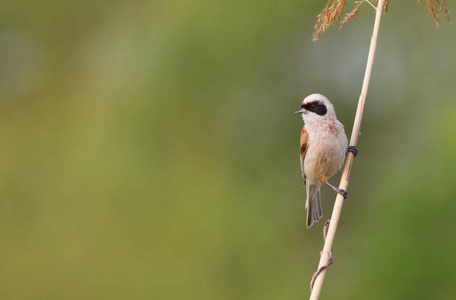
{"points": [[149, 150]]}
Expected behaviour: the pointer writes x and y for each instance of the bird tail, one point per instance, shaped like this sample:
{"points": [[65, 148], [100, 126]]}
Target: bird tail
{"points": [[313, 204]]}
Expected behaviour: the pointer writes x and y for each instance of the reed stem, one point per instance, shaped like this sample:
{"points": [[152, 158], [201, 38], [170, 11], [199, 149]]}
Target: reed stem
{"points": [[324, 257]]}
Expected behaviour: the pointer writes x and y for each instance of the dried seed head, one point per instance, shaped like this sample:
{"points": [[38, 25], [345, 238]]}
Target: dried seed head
{"points": [[436, 8], [334, 8], [385, 5], [351, 14], [328, 16]]}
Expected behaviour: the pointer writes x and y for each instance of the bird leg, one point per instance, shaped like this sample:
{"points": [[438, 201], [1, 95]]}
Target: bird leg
{"points": [[353, 150], [339, 191]]}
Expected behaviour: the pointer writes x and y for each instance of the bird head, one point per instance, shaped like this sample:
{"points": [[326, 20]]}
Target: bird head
{"points": [[316, 107]]}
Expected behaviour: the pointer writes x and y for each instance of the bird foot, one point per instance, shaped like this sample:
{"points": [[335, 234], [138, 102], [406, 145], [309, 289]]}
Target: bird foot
{"points": [[337, 190], [353, 150], [342, 192]]}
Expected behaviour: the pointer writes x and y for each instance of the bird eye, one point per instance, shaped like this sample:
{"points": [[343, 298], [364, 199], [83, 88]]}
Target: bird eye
{"points": [[312, 106]]}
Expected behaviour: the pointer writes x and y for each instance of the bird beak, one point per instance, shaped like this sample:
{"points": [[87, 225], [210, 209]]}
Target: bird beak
{"points": [[301, 111]]}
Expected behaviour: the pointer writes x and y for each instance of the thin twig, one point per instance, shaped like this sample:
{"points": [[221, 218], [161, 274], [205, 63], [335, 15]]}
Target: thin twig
{"points": [[315, 275], [371, 4], [325, 254]]}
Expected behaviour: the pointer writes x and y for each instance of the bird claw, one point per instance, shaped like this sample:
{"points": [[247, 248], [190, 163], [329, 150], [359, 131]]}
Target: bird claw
{"points": [[353, 150], [342, 192]]}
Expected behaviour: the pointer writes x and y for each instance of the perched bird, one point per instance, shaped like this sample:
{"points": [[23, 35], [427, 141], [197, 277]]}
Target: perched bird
{"points": [[323, 149]]}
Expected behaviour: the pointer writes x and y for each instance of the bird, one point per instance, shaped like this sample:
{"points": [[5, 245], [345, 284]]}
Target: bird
{"points": [[324, 146]]}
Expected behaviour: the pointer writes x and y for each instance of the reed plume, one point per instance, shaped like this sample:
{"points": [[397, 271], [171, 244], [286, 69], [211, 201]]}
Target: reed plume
{"points": [[331, 13]]}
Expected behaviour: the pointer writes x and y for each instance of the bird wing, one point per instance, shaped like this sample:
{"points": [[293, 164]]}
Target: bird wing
{"points": [[304, 146]]}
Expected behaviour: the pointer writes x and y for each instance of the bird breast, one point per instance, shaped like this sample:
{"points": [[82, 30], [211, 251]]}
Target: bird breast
{"points": [[326, 149]]}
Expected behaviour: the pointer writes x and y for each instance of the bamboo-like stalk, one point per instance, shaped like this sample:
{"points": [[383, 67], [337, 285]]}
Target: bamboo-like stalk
{"points": [[325, 254]]}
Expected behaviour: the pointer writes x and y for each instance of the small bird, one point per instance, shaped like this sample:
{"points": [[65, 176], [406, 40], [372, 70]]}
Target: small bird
{"points": [[323, 149]]}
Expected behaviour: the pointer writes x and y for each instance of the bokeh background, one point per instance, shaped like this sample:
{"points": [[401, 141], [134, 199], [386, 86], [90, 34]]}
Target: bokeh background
{"points": [[149, 150]]}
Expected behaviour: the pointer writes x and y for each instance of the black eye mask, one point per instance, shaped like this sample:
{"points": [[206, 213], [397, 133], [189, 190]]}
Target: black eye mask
{"points": [[316, 107]]}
